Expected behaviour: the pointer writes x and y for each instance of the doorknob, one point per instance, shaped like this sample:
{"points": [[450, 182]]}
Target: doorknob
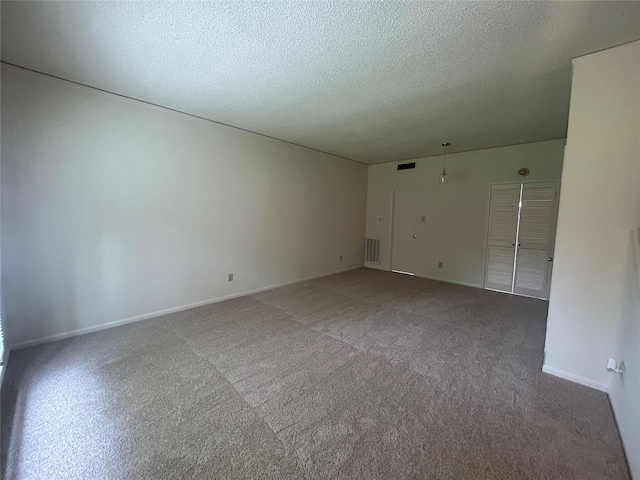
{"points": [[551, 259], [415, 236]]}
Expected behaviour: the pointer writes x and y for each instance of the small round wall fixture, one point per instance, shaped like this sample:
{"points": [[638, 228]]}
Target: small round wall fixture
{"points": [[523, 172]]}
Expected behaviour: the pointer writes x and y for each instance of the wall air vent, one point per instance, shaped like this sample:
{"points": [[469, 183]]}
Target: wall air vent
{"points": [[372, 251], [406, 166]]}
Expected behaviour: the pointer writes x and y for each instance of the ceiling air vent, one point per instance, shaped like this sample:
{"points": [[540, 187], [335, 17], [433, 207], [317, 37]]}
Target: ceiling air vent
{"points": [[406, 166]]}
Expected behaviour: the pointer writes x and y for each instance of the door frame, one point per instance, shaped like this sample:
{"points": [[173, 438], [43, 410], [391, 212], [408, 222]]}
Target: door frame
{"points": [[392, 229], [552, 244]]}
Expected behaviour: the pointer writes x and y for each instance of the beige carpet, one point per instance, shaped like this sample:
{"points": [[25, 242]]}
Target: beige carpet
{"points": [[362, 375]]}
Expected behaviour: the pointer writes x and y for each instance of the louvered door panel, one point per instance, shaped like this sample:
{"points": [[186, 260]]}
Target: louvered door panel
{"points": [[504, 215], [536, 215], [503, 228], [537, 227], [531, 271], [500, 268]]}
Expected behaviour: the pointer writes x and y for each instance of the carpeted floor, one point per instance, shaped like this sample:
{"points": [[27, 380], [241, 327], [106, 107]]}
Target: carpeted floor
{"points": [[361, 375]]}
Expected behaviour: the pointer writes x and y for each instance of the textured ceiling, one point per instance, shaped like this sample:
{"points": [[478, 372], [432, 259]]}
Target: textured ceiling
{"points": [[370, 81]]}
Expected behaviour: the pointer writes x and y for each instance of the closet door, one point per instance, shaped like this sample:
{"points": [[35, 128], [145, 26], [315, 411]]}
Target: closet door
{"points": [[403, 250], [503, 229], [535, 239]]}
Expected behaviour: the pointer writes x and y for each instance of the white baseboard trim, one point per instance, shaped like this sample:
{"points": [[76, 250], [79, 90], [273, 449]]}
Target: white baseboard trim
{"points": [[465, 284], [159, 313], [375, 266], [574, 378], [456, 282]]}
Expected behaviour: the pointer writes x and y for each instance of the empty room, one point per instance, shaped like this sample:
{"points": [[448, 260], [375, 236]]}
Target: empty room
{"points": [[320, 240]]}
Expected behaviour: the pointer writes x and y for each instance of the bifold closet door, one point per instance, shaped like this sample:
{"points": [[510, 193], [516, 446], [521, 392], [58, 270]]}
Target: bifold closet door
{"points": [[535, 239], [503, 229]]}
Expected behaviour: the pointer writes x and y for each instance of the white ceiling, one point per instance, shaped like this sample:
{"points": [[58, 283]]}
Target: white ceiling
{"points": [[369, 81]]}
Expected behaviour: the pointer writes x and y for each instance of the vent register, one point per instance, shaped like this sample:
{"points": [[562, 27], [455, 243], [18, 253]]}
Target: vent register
{"points": [[372, 251]]}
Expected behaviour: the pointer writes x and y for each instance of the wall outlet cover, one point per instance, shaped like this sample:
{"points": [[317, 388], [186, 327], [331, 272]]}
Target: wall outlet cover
{"points": [[231, 277]]}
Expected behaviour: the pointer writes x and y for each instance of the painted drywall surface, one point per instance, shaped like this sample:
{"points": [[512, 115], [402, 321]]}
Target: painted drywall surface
{"points": [[456, 214], [5, 351], [599, 205], [112, 208], [372, 81], [624, 390]]}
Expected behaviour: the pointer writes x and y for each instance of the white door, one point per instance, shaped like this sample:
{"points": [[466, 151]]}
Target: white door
{"points": [[522, 225], [503, 230], [624, 390], [405, 210], [535, 239]]}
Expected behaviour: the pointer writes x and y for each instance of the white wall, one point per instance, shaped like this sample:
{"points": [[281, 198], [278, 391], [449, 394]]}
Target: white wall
{"points": [[113, 209], [456, 214], [624, 390], [4, 349], [599, 205]]}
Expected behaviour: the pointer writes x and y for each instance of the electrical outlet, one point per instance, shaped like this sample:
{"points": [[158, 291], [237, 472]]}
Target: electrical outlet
{"points": [[231, 277], [440, 264], [340, 257], [423, 219]]}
